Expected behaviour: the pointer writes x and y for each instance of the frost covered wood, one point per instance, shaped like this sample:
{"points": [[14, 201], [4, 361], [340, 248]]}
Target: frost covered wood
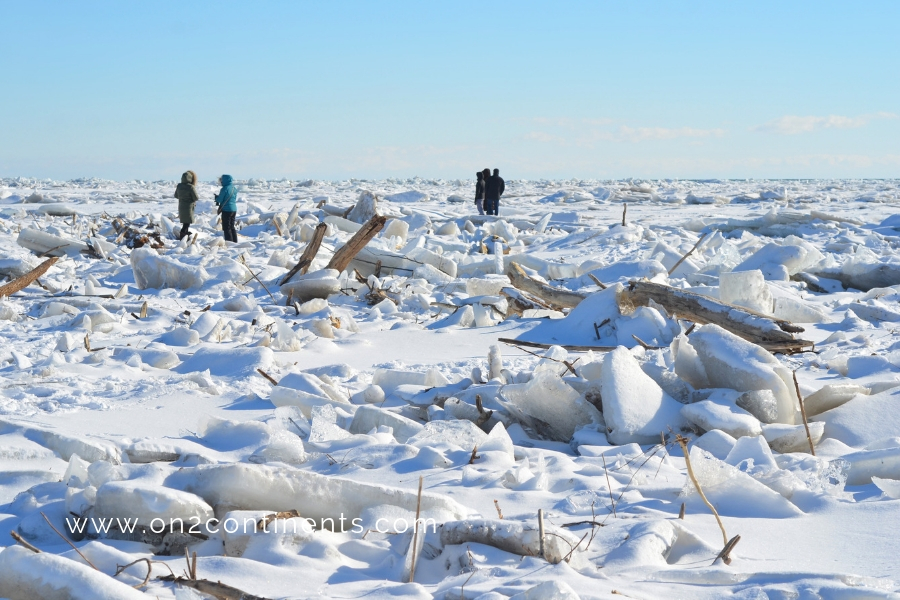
{"points": [[772, 334]]}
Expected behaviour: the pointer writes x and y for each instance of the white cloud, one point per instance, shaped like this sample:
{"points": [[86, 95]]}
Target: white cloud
{"points": [[639, 134], [793, 125]]}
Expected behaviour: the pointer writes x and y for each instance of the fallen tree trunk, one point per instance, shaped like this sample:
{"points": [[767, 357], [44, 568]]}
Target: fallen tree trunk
{"points": [[309, 254], [556, 298], [775, 335], [342, 257], [518, 302], [25, 280]]}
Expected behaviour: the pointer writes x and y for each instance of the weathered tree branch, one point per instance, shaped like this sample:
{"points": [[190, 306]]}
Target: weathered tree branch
{"points": [[309, 254], [557, 298], [25, 280], [345, 254]]}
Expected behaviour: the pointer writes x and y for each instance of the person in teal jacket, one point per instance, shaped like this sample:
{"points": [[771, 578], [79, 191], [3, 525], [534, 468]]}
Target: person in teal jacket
{"points": [[227, 201]]}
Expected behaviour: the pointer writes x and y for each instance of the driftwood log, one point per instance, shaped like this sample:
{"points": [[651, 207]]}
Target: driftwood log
{"points": [[775, 335], [213, 588], [556, 298], [309, 254], [25, 280], [345, 254], [518, 302]]}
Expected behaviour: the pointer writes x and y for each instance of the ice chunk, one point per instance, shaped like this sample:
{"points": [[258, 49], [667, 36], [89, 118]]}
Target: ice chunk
{"points": [[754, 449], [792, 258], [636, 409], [796, 311], [261, 487], [324, 425], [498, 440], [734, 493], [459, 434], [709, 415], [43, 242], [747, 289], [154, 271], [371, 417], [687, 364], [864, 419], [831, 396], [396, 228], [548, 399], [487, 285], [132, 499], [759, 403], [718, 443], [25, 575], [366, 207], [792, 438], [734, 363], [864, 465], [409, 196], [450, 228], [319, 284], [890, 487], [154, 357]]}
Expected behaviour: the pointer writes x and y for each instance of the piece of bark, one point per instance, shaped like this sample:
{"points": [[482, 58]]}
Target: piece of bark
{"points": [[776, 335], [345, 254], [309, 254], [25, 280], [556, 298]]}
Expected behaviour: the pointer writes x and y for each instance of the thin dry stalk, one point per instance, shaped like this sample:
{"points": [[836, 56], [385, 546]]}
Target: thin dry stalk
{"points": [[689, 252], [599, 283], [415, 542], [609, 487], [499, 512], [624, 211], [24, 543], [121, 569], [194, 567], [687, 460], [541, 529], [66, 540], [812, 450], [267, 376], [681, 512], [259, 280]]}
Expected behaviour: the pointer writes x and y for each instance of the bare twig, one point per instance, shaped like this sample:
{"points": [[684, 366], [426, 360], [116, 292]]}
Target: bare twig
{"points": [[599, 283], [812, 450], [267, 376], [24, 543], [687, 460], [689, 252], [415, 541], [66, 540], [609, 487], [499, 512], [541, 529]]}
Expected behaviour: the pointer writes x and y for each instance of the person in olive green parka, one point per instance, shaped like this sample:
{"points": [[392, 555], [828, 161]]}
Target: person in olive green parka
{"points": [[187, 197]]}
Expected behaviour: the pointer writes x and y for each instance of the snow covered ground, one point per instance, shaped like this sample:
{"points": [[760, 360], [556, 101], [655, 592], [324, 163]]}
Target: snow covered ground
{"points": [[131, 387]]}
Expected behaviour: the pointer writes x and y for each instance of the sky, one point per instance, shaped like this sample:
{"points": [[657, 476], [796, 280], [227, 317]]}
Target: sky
{"points": [[340, 89]]}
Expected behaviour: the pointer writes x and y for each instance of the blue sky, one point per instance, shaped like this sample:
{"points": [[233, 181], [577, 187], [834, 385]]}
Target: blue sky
{"points": [[331, 90]]}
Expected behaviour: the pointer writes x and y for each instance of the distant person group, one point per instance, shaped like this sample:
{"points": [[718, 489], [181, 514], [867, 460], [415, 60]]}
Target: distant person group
{"points": [[226, 200], [488, 189]]}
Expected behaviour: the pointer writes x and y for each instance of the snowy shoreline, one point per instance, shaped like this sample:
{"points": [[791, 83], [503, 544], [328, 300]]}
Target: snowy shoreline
{"points": [[134, 384]]}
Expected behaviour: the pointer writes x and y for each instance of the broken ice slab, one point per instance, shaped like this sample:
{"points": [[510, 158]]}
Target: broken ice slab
{"points": [[555, 406], [831, 396], [709, 415], [464, 435], [747, 289], [864, 465], [324, 427], [371, 417], [126, 499], [792, 438], [319, 284], [635, 408]]}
